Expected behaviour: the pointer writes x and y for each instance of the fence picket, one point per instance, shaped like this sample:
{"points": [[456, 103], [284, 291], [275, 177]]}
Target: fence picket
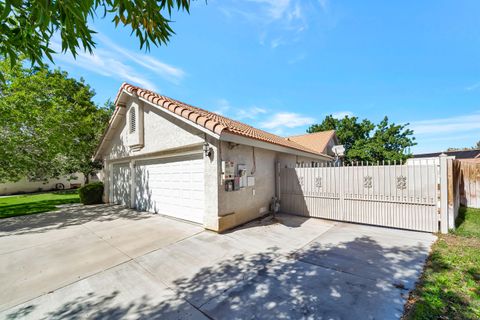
{"points": [[382, 193]]}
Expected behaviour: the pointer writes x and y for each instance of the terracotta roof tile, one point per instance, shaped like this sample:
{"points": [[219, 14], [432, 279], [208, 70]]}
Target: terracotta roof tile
{"points": [[214, 122], [317, 141]]}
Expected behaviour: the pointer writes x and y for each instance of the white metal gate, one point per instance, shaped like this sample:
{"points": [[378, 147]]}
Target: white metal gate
{"points": [[399, 196]]}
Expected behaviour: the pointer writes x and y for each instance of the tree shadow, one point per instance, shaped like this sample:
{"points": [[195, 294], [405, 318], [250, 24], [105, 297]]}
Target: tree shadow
{"points": [[462, 211], [65, 217], [357, 279]]}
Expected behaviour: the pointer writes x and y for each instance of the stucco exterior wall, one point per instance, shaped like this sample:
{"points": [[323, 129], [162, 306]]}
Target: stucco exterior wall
{"points": [[26, 186], [212, 186], [238, 207], [161, 132], [289, 160]]}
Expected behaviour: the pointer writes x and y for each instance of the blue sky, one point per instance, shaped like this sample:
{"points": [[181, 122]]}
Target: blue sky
{"points": [[282, 65]]}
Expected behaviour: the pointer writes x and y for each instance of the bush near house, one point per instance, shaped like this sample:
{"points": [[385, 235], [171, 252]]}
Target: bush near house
{"points": [[91, 193], [450, 285]]}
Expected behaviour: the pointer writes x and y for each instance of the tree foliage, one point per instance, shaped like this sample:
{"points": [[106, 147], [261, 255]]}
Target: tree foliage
{"points": [[49, 125], [27, 26], [365, 141], [475, 147]]}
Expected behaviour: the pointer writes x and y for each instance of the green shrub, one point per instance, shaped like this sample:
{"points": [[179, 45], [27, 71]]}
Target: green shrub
{"points": [[91, 193]]}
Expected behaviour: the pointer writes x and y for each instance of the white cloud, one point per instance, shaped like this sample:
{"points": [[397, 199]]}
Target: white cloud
{"points": [[103, 64], [250, 113], [323, 4], [276, 43], [111, 60], [288, 120], [342, 114], [452, 125], [276, 22], [473, 87], [224, 107], [275, 8], [297, 58], [162, 69]]}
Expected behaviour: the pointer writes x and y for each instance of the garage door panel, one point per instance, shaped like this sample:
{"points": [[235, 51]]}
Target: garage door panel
{"points": [[172, 186]]}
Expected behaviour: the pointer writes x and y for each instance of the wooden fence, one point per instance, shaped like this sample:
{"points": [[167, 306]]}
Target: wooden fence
{"points": [[464, 186]]}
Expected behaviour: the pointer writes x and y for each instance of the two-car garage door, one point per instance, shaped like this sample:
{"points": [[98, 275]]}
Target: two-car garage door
{"points": [[172, 186]]}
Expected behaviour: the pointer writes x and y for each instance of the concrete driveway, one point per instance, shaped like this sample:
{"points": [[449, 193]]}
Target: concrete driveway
{"points": [[108, 262]]}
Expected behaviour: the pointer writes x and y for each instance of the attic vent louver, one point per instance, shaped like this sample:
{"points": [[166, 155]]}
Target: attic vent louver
{"points": [[133, 120]]}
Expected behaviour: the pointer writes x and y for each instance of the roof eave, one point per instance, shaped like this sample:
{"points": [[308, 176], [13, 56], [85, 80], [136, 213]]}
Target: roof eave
{"points": [[235, 138]]}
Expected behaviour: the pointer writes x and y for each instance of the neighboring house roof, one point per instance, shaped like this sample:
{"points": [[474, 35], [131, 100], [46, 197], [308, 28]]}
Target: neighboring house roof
{"points": [[461, 154], [317, 141], [211, 121]]}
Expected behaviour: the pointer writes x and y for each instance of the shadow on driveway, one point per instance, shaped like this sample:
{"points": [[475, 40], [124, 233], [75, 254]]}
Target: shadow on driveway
{"points": [[357, 279], [71, 215]]}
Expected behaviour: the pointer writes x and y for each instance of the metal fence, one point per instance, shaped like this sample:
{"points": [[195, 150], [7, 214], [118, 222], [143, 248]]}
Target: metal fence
{"points": [[406, 196]]}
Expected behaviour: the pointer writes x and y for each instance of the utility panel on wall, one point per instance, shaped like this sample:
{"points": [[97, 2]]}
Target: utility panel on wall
{"points": [[242, 175], [228, 170]]}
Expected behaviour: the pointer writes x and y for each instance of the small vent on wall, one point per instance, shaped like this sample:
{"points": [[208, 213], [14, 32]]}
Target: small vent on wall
{"points": [[133, 120]]}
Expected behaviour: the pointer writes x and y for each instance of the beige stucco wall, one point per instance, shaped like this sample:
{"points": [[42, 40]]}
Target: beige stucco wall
{"points": [[161, 132], [238, 207]]}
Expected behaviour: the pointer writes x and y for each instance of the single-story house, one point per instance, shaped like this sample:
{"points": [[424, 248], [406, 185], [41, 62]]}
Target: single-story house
{"points": [[471, 156], [457, 154], [162, 155]]}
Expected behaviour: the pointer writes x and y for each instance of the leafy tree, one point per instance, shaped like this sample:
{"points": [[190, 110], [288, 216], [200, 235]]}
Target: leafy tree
{"points": [[27, 26], [49, 125], [365, 141]]}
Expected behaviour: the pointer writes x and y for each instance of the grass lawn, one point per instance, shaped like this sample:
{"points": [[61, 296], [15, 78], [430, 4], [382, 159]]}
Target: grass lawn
{"points": [[35, 203], [450, 285]]}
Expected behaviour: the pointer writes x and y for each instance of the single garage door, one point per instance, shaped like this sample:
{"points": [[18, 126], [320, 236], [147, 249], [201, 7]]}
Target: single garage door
{"points": [[171, 186], [121, 184]]}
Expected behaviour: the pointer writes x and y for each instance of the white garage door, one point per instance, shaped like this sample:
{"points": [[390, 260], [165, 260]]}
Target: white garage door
{"points": [[121, 184], [171, 186]]}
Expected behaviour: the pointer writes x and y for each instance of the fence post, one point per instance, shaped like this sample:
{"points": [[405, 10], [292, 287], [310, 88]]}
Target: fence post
{"points": [[451, 194], [341, 194], [443, 193]]}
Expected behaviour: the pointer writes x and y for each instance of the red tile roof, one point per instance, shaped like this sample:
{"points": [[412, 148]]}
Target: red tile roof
{"points": [[213, 122], [317, 141]]}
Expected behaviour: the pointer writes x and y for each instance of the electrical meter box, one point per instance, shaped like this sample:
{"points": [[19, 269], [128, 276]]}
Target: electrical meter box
{"points": [[228, 170], [242, 175]]}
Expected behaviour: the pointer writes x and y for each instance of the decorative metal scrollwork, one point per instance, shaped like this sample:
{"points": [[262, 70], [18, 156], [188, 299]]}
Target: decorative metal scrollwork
{"points": [[318, 182], [401, 182], [367, 182], [300, 181]]}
